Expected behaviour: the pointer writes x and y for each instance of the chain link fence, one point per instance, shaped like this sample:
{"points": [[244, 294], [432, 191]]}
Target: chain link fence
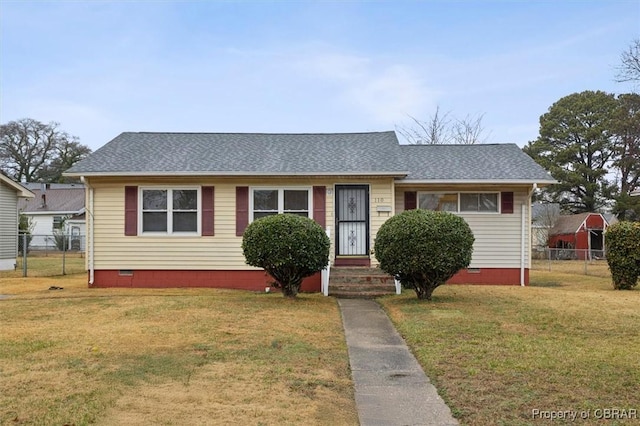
{"points": [[45, 255], [571, 261]]}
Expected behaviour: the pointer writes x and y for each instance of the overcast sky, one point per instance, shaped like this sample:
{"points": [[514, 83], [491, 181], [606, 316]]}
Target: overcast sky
{"points": [[103, 67]]}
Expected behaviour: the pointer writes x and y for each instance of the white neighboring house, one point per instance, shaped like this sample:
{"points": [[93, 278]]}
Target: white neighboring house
{"points": [[56, 207], [635, 193], [10, 193]]}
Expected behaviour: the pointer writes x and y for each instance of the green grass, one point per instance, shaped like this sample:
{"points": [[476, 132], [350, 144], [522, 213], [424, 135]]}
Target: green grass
{"points": [[567, 342]]}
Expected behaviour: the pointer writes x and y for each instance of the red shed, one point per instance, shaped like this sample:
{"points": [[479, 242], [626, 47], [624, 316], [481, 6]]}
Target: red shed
{"points": [[582, 232]]}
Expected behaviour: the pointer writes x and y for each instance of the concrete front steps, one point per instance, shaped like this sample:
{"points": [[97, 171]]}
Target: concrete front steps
{"points": [[359, 282]]}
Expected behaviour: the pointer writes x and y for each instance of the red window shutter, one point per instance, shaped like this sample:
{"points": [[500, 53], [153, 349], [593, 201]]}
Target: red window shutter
{"points": [[130, 210], [242, 209], [410, 200], [207, 211], [506, 201], [319, 205]]}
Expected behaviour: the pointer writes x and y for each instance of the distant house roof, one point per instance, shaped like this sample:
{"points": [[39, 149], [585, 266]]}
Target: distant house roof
{"points": [[66, 200], [353, 154], [570, 224], [245, 153], [611, 218], [21, 190], [499, 163]]}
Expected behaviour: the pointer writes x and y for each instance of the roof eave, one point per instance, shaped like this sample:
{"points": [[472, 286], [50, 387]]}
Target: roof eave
{"points": [[45, 212], [21, 190], [399, 174], [539, 182]]}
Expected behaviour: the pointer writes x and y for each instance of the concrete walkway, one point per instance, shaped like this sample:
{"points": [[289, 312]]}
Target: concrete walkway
{"points": [[390, 386]]}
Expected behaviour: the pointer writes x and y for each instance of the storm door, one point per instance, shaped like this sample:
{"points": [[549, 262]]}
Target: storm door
{"points": [[352, 220]]}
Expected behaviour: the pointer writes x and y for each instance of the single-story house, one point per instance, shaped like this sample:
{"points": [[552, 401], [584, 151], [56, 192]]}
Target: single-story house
{"points": [[169, 209], [579, 236], [56, 207], [10, 193]]}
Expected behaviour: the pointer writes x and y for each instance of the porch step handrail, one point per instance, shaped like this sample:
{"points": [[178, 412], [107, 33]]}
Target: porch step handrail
{"points": [[326, 271]]}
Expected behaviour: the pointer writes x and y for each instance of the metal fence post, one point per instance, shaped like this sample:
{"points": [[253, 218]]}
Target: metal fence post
{"points": [[64, 250], [24, 255], [588, 254]]}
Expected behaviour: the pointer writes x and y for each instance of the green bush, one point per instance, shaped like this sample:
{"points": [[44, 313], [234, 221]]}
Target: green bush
{"points": [[423, 248], [623, 254], [288, 247]]}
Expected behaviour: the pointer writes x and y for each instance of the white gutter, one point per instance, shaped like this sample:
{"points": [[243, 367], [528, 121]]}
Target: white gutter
{"points": [[404, 182], [216, 173], [90, 247], [523, 243], [523, 234]]}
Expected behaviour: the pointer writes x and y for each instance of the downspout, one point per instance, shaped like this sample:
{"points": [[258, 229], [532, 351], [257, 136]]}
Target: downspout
{"points": [[523, 234], [523, 243], [90, 247]]}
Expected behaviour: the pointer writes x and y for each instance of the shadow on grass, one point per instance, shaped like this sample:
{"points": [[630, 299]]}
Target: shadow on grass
{"points": [[545, 283]]}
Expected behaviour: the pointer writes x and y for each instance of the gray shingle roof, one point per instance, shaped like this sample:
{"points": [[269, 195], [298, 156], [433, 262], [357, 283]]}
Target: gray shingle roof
{"points": [[66, 200], [245, 153], [471, 163], [374, 153], [570, 224]]}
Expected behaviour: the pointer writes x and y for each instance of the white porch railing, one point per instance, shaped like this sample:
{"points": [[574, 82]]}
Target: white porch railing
{"points": [[326, 271]]}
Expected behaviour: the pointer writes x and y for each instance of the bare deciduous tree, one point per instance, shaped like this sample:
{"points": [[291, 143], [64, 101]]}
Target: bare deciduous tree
{"points": [[629, 69], [469, 130], [32, 151], [434, 131], [440, 129]]}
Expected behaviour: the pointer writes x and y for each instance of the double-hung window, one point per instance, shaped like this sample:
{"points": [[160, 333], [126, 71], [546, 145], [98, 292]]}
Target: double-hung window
{"points": [[271, 201], [170, 210]]}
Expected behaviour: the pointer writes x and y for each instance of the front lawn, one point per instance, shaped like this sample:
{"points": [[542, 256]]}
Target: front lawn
{"points": [[496, 354], [169, 356]]}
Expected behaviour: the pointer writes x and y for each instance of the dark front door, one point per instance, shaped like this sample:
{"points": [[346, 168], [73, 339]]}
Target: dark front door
{"points": [[352, 220]]}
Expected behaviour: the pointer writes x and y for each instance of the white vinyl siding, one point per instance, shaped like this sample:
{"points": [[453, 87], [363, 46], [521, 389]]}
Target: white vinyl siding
{"points": [[498, 237], [8, 222]]}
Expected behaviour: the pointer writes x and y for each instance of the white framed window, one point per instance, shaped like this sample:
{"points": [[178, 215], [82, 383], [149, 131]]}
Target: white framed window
{"points": [[169, 211], [269, 201], [460, 202], [58, 222]]}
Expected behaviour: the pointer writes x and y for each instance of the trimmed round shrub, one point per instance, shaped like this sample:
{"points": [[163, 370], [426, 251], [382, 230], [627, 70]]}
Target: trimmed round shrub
{"points": [[424, 248], [623, 254], [289, 247]]}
